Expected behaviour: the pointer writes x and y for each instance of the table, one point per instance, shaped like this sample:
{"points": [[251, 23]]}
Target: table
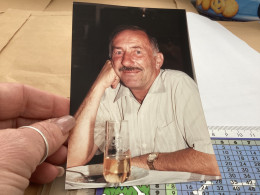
{"points": [[239, 163]]}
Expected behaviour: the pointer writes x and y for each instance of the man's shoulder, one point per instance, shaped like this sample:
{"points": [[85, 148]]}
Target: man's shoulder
{"points": [[168, 74], [173, 78], [177, 79]]}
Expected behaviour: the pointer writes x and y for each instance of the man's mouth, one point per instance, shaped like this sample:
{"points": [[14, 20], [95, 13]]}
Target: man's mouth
{"points": [[130, 69]]}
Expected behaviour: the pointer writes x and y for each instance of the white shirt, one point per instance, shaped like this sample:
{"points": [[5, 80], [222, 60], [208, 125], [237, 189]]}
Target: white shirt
{"points": [[170, 118]]}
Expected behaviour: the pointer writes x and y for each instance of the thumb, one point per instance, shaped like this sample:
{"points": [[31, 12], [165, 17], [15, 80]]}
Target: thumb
{"points": [[22, 150], [56, 131]]}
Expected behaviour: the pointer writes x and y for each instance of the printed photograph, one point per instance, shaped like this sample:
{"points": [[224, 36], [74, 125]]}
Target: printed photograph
{"points": [[139, 117]]}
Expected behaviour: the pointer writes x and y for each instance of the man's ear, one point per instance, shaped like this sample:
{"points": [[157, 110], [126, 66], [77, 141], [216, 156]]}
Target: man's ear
{"points": [[159, 60]]}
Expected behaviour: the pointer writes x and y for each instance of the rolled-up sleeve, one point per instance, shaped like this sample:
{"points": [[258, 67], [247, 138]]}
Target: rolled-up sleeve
{"points": [[190, 116]]}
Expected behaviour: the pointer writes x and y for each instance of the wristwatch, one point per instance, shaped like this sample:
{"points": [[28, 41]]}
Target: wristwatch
{"points": [[151, 158]]}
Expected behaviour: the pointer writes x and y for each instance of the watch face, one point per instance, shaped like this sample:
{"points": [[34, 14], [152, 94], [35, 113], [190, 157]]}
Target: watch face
{"points": [[152, 156]]}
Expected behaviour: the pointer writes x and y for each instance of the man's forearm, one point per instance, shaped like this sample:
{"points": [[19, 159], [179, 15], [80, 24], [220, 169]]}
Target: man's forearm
{"points": [[187, 160], [81, 142]]}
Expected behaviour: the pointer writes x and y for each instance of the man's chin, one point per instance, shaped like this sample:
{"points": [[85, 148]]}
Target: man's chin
{"points": [[130, 85]]}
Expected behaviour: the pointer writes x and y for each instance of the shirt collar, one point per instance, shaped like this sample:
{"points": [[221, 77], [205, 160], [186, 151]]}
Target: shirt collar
{"points": [[157, 87]]}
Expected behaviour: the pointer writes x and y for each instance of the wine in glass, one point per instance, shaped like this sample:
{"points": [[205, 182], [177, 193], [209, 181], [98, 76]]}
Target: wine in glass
{"points": [[117, 156]]}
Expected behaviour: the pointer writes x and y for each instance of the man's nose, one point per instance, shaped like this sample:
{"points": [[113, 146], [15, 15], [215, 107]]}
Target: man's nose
{"points": [[127, 59]]}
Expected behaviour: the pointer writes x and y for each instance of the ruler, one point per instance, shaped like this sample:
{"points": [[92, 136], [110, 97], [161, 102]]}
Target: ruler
{"points": [[234, 132]]}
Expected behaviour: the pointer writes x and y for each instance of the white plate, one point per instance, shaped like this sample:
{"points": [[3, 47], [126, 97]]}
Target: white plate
{"points": [[94, 174]]}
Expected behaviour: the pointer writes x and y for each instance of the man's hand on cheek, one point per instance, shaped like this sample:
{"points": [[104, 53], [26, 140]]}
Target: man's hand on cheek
{"points": [[107, 76]]}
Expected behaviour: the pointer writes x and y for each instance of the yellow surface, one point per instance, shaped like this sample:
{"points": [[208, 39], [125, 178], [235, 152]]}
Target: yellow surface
{"points": [[38, 53], [24, 4], [247, 31]]}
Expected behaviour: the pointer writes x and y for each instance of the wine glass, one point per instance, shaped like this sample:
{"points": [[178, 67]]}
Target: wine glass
{"points": [[117, 156]]}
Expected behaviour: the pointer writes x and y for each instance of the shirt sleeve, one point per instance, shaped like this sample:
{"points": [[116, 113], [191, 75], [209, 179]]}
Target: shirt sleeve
{"points": [[190, 116]]}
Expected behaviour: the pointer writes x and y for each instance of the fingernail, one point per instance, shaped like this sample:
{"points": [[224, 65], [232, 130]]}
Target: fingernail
{"points": [[61, 171], [66, 123]]}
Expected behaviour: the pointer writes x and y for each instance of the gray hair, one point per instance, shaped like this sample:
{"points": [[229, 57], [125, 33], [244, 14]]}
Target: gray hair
{"points": [[121, 28]]}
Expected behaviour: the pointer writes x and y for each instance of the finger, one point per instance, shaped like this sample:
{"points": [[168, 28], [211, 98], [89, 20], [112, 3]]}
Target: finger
{"points": [[55, 132], [66, 143], [59, 157], [17, 122], [25, 101], [45, 173], [115, 83], [108, 63]]}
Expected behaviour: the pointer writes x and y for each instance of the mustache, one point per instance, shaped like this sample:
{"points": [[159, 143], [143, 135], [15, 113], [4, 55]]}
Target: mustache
{"points": [[129, 68]]}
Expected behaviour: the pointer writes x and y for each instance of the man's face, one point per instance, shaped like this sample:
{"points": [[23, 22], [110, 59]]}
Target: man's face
{"points": [[134, 59]]}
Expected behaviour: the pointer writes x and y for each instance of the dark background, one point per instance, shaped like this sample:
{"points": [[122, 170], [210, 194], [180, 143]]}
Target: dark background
{"points": [[92, 26]]}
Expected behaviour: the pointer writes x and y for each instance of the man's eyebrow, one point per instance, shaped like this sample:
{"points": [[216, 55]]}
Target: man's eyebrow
{"points": [[114, 47], [137, 47], [134, 46]]}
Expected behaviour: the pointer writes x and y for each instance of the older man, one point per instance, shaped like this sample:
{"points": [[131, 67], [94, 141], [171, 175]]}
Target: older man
{"points": [[166, 121]]}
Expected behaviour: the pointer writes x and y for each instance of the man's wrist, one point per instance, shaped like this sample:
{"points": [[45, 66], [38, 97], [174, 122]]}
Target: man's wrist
{"points": [[151, 159], [140, 161], [98, 85]]}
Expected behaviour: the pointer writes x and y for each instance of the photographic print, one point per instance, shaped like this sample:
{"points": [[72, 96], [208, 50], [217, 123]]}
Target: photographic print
{"points": [[139, 118]]}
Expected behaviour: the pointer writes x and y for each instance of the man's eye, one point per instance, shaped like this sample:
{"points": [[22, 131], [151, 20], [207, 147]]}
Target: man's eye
{"points": [[138, 52], [118, 52]]}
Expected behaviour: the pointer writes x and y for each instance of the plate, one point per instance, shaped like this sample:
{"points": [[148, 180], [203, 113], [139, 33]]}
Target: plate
{"points": [[137, 173], [94, 174]]}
